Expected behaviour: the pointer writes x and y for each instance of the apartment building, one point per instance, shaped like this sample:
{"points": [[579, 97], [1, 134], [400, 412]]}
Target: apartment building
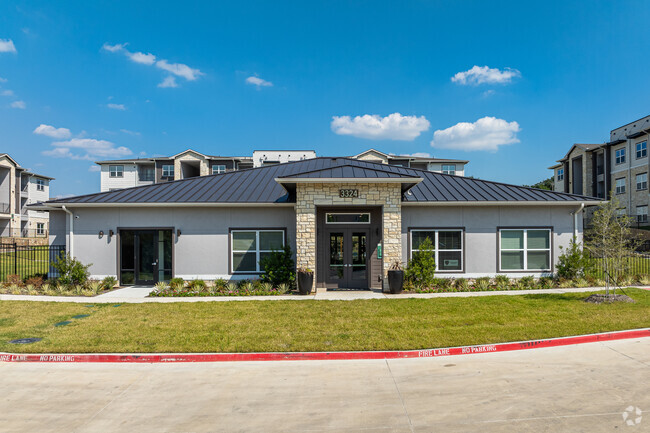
{"points": [[18, 188], [619, 166], [124, 173]]}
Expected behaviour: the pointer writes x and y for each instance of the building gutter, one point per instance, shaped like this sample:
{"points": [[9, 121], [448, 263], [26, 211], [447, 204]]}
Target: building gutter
{"points": [[71, 230], [575, 220], [503, 203], [57, 206]]}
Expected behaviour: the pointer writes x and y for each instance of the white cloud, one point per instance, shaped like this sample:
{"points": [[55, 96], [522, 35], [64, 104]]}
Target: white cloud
{"points": [[169, 81], [7, 46], [120, 107], [94, 168], [487, 133], [113, 48], [419, 155], [257, 81], [392, 127], [19, 104], [179, 69], [126, 131], [7, 93], [3, 80], [51, 131], [87, 149], [485, 75], [145, 59]]}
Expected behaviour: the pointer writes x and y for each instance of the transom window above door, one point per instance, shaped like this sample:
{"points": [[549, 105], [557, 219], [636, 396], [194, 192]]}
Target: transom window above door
{"points": [[347, 218]]}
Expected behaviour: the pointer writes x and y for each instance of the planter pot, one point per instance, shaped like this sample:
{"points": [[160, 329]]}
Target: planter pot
{"points": [[395, 281], [305, 282]]}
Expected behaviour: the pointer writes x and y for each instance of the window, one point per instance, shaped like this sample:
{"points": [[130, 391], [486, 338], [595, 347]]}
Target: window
{"points": [[146, 174], [40, 227], [620, 186], [448, 245], [116, 170], [449, 169], [40, 185], [620, 156], [560, 174], [167, 171], [642, 149], [525, 249], [347, 218], [248, 247], [218, 169], [620, 212], [641, 181], [642, 214]]}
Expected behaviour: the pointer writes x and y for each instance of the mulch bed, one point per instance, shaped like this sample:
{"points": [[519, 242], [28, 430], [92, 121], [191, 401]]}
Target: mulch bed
{"points": [[599, 299]]}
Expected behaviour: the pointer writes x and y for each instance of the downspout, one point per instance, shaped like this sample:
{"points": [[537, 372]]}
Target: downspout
{"points": [[575, 221], [70, 231], [629, 178]]}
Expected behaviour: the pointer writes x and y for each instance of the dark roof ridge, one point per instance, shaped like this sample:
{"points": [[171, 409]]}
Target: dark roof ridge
{"points": [[348, 165]]}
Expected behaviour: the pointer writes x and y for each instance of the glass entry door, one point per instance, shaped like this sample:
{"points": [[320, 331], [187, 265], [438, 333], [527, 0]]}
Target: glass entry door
{"points": [[347, 258], [145, 256]]}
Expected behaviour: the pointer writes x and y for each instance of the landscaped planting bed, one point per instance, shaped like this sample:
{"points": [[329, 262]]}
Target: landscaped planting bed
{"points": [[14, 285], [283, 325], [179, 287]]}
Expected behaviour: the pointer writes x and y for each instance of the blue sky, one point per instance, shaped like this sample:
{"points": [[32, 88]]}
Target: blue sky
{"points": [[118, 78]]}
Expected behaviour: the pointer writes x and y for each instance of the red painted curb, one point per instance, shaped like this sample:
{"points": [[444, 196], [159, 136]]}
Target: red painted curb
{"points": [[327, 356]]}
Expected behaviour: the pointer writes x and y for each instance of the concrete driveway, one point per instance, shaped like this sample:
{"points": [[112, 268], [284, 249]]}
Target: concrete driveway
{"points": [[583, 388]]}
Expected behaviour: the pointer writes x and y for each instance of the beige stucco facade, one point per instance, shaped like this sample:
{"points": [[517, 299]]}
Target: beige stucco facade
{"points": [[311, 195]]}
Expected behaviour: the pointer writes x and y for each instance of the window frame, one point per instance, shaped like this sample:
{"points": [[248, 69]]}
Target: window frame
{"points": [[40, 184], [40, 228], [525, 249], [257, 231], [119, 172], [143, 168], [643, 152], [560, 174], [447, 171], [349, 213], [619, 159], [644, 184], [435, 244], [218, 168], [166, 166], [616, 187], [645, 214]]}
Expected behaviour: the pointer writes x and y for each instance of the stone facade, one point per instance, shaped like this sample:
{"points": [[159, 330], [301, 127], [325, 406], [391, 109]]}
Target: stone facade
{"points": [[191, 156], [311, 195]]}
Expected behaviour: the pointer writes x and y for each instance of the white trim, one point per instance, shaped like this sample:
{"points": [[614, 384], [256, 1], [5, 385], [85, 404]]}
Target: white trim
{"points": [[525, 249], [437, 250], [257, 251], [352, 180]]}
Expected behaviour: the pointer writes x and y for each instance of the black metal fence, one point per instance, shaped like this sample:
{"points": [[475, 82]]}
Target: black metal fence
{"points": [[638, 264], [29, 260]]}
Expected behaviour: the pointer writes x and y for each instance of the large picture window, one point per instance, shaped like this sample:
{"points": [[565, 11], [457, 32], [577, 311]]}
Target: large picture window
{"points": [[248, 247], [525, 249], [448, 245]]}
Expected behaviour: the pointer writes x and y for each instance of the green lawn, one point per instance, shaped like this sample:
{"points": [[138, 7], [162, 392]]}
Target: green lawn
{"points": [[309, 325]]}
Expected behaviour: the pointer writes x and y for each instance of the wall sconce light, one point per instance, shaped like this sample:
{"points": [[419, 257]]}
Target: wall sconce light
{"points": [[178, 233], [101, 234], [111, 233]]}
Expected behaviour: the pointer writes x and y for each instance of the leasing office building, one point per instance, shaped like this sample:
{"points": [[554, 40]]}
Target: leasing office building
{"points": [[347, 219]]}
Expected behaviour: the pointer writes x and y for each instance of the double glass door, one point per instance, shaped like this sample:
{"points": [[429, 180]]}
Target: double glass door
{"points": [[145, 256], [347, 261]]}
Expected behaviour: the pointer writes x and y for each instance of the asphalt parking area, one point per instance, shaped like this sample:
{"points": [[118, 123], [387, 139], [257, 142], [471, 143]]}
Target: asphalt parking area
{"points": [[574, 388]]}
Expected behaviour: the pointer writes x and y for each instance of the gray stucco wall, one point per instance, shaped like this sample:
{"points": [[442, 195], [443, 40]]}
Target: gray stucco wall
{"points": [[481, 224], [200, 252]]}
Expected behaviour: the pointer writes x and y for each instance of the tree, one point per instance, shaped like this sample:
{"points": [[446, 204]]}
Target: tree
{"points": [[547, 184], [610, 239], [421, 269]]}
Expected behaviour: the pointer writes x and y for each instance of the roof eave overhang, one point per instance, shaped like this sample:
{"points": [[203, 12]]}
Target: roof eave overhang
{"points": [[503, 203], [57, 206]]}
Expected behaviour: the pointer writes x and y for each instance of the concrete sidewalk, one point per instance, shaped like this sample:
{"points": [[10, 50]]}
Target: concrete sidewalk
{"points": [[581, 388], [137, 294]]}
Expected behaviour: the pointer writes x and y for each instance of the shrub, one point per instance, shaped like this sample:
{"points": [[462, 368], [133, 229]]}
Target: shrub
{"points": [[109, 282], [197, 285], [13, 280], [502, 282], [279, 267], [528, 282], [546, 283], [220, 284], [482, 284], [574, 262], [444, 284], [462, 285], [421, 269], [36, 282], [176, 283], [71, 271]]}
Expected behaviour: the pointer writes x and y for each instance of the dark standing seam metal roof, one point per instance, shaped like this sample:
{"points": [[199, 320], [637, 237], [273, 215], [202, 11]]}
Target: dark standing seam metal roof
{"points": [[259, 185]]}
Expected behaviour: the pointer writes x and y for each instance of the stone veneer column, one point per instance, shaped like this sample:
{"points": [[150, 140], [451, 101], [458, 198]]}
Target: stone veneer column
{"points": [[310, 195]]}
